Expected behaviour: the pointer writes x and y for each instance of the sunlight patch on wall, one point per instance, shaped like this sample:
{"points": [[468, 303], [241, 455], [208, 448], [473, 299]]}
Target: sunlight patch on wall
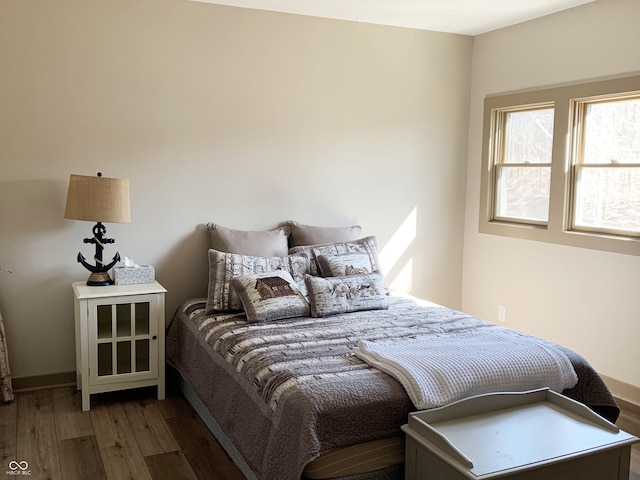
{"points": [[403, 280], [395, 257]]}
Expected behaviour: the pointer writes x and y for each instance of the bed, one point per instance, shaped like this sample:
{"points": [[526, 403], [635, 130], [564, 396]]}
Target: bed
{"points": [[277, 377]]}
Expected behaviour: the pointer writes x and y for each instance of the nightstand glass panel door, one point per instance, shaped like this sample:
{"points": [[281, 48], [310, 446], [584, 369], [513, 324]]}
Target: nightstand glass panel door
{"points": [[126, 338]]}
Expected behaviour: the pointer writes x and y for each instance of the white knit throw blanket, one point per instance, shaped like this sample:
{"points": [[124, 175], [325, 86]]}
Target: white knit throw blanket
{"points": [[437, 370]]}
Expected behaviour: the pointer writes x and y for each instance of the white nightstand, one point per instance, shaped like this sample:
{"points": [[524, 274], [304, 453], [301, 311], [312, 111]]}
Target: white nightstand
{"points": [[119, 338]]}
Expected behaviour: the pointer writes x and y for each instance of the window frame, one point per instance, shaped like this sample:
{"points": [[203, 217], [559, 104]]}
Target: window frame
{"points": [[578, 115], [558, 229], [499, 121]]}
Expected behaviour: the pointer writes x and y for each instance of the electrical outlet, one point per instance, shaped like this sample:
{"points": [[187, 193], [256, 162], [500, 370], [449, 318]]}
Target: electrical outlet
{"points": [[502, 313]]}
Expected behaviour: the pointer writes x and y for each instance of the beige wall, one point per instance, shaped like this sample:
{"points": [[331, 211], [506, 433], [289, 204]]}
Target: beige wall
{"points": [[241, 117], [585, 299]]}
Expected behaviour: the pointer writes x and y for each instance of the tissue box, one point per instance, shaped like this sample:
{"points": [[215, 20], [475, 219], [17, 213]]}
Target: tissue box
{"points": [[134, 275]]}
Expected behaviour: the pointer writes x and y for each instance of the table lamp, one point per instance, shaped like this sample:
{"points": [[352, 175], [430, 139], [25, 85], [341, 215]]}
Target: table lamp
{"points": [[98, 199]]}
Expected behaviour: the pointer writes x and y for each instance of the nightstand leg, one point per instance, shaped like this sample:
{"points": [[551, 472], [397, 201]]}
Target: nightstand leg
{"points": [[86, 405], [161, 388]]}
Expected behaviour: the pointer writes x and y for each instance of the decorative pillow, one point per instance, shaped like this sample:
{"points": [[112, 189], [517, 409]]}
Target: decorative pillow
{"points": [[224, 266], [366, 245], [344, 264], [267, 243], [352, 293], [314, 235], [270, 296]]}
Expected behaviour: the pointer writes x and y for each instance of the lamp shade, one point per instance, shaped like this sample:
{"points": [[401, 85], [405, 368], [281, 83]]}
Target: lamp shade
{"points": [[98, 199]]}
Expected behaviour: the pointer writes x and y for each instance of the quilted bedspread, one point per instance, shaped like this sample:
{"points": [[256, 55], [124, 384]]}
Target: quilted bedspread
{"points": [[285, 391], [435, 371]]}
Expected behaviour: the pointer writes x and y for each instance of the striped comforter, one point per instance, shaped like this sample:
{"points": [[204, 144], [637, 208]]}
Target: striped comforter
{"points": [[282, 356]]}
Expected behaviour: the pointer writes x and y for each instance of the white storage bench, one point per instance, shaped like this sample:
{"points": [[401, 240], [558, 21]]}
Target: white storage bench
{"points": [[524, 436]]}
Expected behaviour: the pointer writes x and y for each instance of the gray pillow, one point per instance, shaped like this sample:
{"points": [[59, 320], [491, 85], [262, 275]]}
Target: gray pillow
{"points": [[344, 264], [264, 243], [225, 266], [346, 294], [314, 235], [270, 296]]}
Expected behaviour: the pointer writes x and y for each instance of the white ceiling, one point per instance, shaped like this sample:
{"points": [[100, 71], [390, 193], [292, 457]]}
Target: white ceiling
{"points": [[467, 17]]}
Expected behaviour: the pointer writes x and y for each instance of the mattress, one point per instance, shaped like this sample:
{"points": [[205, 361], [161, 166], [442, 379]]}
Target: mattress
{"points": [[290, 394]]}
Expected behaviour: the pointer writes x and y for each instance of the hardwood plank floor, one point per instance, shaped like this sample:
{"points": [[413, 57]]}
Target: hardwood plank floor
{"points": [[126, 435], [131, 435], [36, 434]]}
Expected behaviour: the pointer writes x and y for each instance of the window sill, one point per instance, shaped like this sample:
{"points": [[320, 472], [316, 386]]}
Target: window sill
{"points": [[571, 238]]}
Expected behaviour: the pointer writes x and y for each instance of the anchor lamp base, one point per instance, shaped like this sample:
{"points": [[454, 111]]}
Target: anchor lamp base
{"points": [[100, 271], [100, 279]]}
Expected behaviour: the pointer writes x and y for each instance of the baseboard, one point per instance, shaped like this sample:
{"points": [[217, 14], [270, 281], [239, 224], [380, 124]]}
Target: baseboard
{"points": [[39, 382], [622, 390]]}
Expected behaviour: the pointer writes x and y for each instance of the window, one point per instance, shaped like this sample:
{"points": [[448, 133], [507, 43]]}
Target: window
{"points": [[606, 168], [562, 165], [523, 164]]}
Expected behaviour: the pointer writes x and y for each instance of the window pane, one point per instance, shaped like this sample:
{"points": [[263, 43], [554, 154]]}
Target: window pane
{"points": [[612, 132], [608, 198], [523, 193], [528, 136], [142, 318], [123, 320], [104, 321], [124, 357], [142, 355]]}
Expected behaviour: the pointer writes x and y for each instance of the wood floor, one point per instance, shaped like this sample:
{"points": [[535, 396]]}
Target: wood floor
{"points": [[125, 435], [131, 435]]}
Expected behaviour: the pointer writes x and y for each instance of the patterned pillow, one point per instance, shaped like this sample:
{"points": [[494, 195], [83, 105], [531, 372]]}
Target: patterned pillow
{"points": [[270, 296], [346, 294], [344, 264], [366, 245], [312, 235], [267, 243], [224, 266]]}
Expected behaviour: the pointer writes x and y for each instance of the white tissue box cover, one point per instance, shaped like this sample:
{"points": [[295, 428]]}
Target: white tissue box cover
{"points": [[134, 275]]}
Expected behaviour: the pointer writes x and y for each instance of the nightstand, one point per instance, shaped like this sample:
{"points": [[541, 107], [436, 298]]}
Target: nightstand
{"points": [[119, 338], [535, 435]]}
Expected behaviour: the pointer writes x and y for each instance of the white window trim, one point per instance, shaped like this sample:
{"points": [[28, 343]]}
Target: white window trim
{"points": [[558, 228]]}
